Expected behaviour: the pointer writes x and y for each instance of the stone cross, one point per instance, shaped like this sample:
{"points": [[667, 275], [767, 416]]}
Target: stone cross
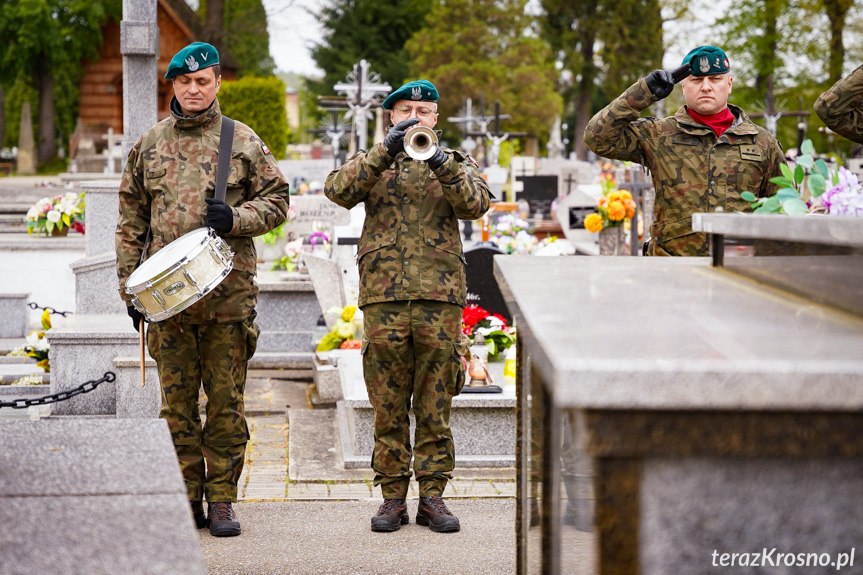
{"points": [[496, 137], [362, 91], [26, 146], [113, 139], [555, 143], [138, 44]]}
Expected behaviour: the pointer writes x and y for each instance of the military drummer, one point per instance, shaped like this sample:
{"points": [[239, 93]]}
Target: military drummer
{"points": [[701, 158], [412, 291], [841, 107], [167, 190]]}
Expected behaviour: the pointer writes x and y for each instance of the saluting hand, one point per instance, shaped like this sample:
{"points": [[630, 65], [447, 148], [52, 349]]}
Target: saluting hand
{"points": [[661, 82], [395, 139], [220, 216]]}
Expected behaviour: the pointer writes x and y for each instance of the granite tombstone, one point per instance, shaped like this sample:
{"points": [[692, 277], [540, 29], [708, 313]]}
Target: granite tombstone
{"points": [[539, 192], [482, 289]]}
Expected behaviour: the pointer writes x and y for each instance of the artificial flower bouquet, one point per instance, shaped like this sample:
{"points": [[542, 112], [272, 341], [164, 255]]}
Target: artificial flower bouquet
{"points": [[36, 345], [346, 332], [834, 192], [498, 336], [612, 208], [50, 214]]}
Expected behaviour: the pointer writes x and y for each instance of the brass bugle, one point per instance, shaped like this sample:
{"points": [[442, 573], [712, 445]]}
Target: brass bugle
{"points": [[420, 143]]}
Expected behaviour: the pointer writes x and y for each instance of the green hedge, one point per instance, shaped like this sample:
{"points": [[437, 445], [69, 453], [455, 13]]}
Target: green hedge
{"points": [[260, 104]]}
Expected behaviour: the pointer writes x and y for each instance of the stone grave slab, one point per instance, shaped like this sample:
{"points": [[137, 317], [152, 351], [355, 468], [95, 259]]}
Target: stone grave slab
{"points": [[482, 289], [13, 314], [326, 280], [287, 313], [134, 401], [483, 425], [75, 483], [571, 212]]}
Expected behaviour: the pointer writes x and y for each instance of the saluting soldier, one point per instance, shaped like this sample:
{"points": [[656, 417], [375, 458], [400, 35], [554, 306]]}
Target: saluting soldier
{"points": [[412, 292], [841, 107], [167, 189], [701, 158]]}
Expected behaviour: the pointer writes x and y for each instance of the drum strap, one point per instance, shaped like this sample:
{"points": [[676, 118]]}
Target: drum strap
{"points": [[226, 140]]}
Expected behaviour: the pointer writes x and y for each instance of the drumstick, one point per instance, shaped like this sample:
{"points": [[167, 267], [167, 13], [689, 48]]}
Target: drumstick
{"points": [[141, 340]]}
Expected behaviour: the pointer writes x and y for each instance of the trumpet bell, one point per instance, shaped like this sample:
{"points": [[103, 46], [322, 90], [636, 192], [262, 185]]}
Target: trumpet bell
{"points": [[420, 143]]}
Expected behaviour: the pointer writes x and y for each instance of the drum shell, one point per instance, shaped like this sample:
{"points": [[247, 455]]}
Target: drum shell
{"points": [[185, 282]]}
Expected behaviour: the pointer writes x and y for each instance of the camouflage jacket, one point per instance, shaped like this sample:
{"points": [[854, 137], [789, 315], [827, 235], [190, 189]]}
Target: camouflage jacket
{"points": [[693, 170], [841, 107], [410, 247], [169, 173]]}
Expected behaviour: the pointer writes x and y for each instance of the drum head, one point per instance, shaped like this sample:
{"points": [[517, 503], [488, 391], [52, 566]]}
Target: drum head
{"points": [[166, 258]]}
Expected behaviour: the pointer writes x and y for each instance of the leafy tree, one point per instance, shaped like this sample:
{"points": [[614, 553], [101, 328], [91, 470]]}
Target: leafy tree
{"points": [[604, 46], [241, 27], [45, 42], [488, 47], [837, 12], [366, 29]]}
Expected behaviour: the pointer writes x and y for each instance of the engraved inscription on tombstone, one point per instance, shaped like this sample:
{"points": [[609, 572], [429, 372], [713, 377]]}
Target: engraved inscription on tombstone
{"points": [[539, 192], [482, 289]]}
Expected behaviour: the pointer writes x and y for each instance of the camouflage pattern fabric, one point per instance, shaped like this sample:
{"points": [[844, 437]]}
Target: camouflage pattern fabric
{"points": [[412, 355], [841, 107], [410, 247], [211, 457], [693, 170], [169, 173]]}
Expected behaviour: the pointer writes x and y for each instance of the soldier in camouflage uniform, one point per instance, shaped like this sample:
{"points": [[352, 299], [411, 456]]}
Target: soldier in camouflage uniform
{"points": [[701, 158], [167, 189], [412, 292], [841, 107]]}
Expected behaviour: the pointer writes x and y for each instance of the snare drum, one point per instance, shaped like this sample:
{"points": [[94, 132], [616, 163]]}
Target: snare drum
{"points": [[180, 274]]}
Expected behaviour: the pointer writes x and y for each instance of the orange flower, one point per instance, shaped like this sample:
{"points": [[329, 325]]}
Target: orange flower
{"points": [[625, 195], [602, 202], [616, 211], [630, 208], [614, 197], [593, 223]]}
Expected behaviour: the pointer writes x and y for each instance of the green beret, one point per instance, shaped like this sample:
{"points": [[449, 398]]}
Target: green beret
{"points": [[707, 61], [419, 90], [194, 57]]}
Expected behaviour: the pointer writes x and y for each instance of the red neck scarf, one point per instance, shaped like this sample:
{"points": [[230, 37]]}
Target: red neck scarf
{"points": [[716, 122]]}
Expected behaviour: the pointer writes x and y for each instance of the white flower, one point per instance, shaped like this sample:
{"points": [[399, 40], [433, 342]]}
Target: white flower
{"points": [[44, 204], [42, 345], [54, 216], [71, 197], [32, 213], [33, 339]]}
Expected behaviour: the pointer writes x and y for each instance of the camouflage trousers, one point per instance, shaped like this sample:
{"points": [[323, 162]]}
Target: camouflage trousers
{"points": [[412, 356], [187, 355]]}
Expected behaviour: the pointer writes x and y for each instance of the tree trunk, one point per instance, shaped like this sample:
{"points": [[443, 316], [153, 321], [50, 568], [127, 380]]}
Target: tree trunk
{"points": [[2, 115], [46, 148], [836, 12], [767, 60], [586, 89], [215, 20]]}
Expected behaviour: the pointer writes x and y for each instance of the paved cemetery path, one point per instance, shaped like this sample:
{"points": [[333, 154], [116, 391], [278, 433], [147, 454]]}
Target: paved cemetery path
{"points": [[320, 523], [299, 537]]}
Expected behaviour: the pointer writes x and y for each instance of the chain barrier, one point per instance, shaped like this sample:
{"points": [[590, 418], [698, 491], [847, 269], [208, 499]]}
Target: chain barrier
{"points": [[85, 387], [51, 310]]}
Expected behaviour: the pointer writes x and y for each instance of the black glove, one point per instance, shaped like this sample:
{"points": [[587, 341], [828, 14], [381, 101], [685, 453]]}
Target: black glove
{"points": [[661, 82], [438, 159], [220, 216], [135, 315], [395, 140]]}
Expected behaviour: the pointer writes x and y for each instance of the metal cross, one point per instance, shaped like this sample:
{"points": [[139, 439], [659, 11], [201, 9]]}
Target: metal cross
{"points": [[362, 91], [335, 129]]}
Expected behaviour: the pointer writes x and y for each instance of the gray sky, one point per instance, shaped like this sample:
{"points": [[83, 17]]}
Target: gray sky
{"points": [[293, 31]]}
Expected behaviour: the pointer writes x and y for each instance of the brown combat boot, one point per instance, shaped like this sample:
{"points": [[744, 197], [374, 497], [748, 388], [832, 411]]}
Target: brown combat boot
{"points": [[432, 512], [198, 514], [391, 515], [223, 520]]}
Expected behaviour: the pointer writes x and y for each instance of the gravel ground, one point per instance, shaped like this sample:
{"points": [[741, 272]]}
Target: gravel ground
{"points": [[334, 537]]}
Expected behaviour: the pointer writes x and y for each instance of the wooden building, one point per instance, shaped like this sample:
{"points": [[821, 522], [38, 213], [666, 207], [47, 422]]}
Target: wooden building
{"points": [[102, 79]]}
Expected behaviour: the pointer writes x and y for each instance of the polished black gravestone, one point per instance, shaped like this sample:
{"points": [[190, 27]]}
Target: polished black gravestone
{"points": [[482, 289], [539, 192]]}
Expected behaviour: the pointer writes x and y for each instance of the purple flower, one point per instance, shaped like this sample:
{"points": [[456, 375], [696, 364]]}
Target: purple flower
{"points": [[846, 197]]}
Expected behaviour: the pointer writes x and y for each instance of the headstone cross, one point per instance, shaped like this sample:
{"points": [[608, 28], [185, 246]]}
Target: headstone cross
{"points": [[362, 90]]}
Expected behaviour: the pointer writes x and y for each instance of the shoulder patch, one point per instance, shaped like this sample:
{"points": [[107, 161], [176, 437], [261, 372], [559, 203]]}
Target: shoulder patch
{"points": [[265, 148]]}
